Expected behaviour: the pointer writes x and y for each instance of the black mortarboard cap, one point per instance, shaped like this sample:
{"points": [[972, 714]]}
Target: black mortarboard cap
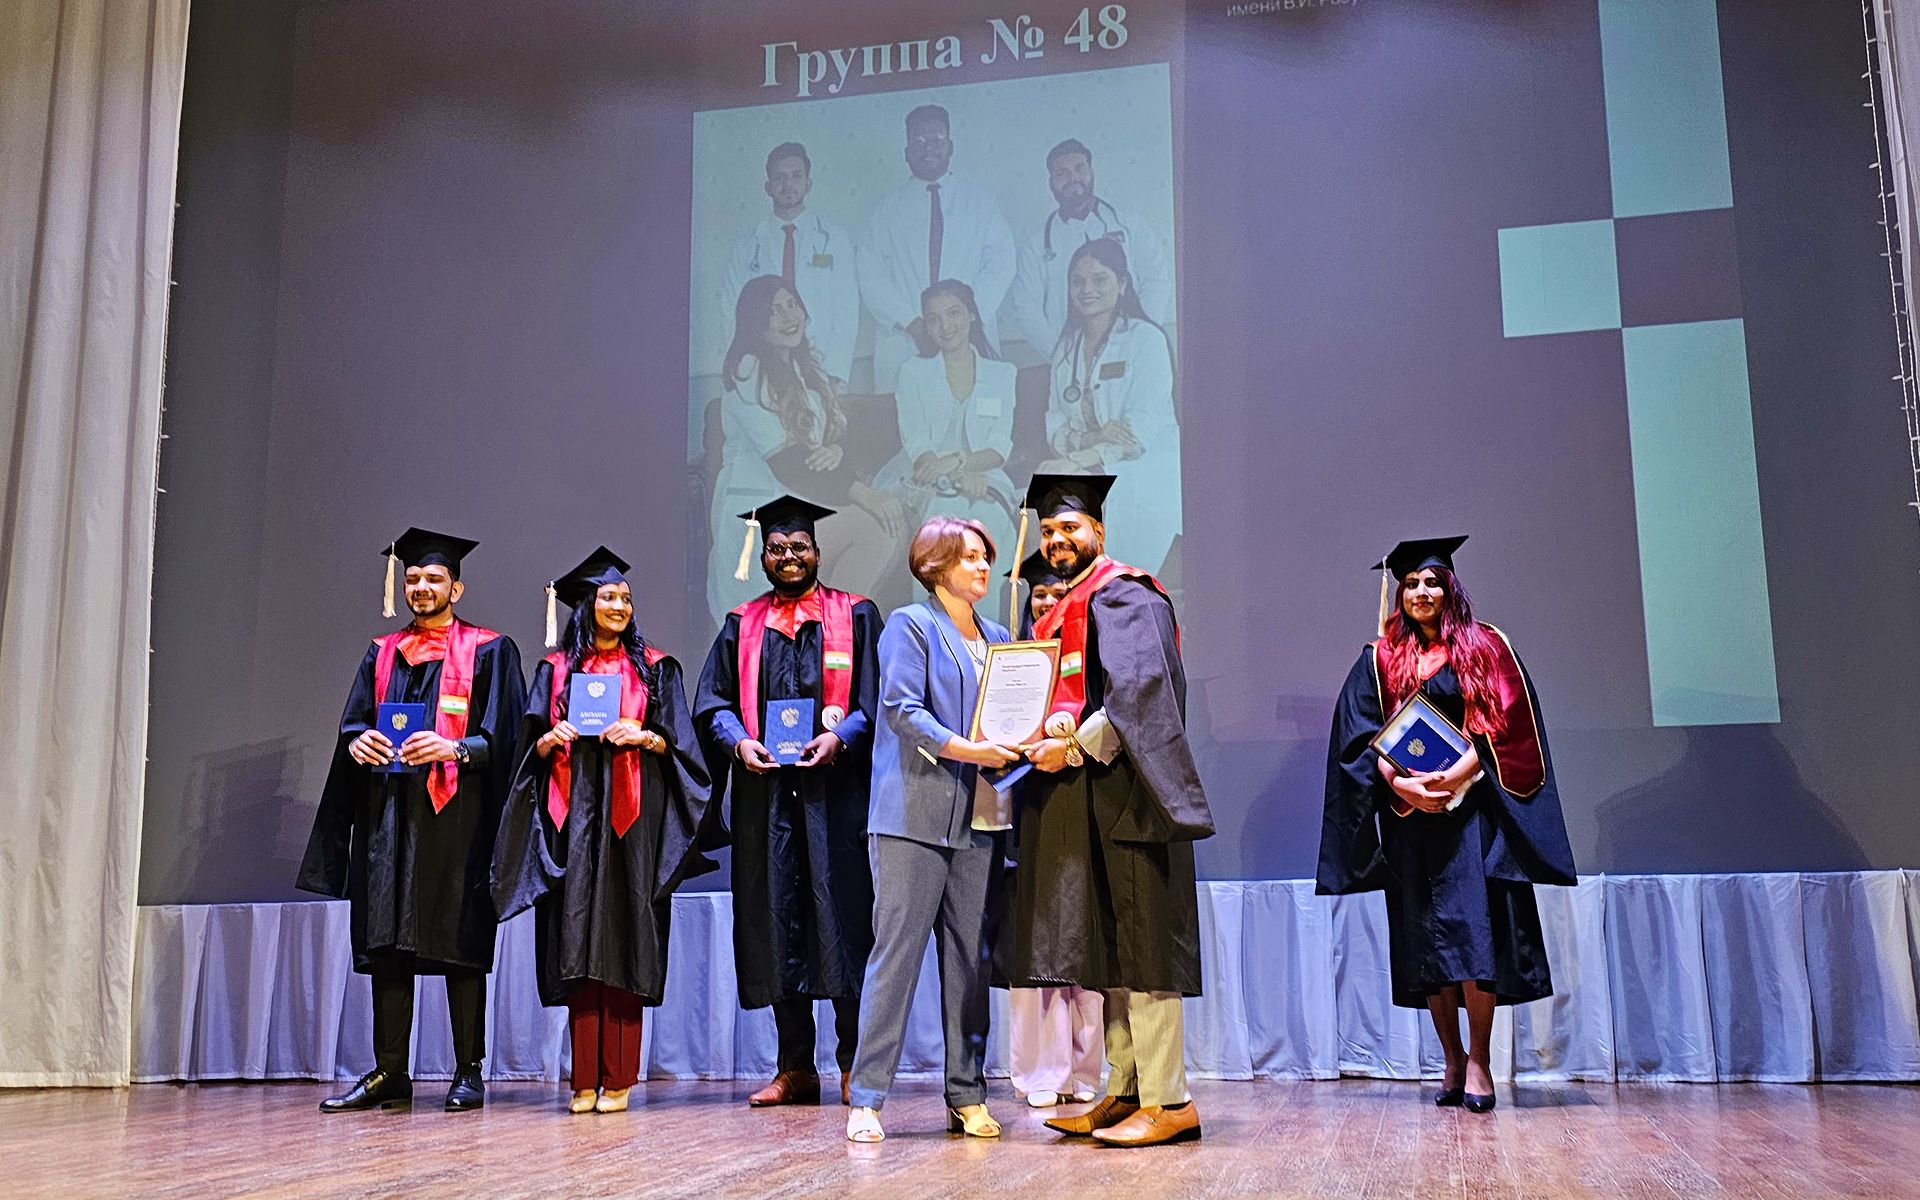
{"points": [[1419, 554], [786, 514], [597, 570], [1050, 494], [423, 547]]}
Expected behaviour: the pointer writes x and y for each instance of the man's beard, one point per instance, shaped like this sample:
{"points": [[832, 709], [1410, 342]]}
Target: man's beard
{"points": [[1081, 560], [800, 588], [437, 607]]}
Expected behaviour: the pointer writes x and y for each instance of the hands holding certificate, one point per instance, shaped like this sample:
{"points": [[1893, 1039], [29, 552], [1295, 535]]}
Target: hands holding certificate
{"points": [[375, 749], [1431, 791]]}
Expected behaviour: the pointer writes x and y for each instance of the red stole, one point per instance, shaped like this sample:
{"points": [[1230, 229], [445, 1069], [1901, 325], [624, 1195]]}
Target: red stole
{"points": [[624, 804], [1518, 765], [455, 644], [834, 611], [1068, 621]]}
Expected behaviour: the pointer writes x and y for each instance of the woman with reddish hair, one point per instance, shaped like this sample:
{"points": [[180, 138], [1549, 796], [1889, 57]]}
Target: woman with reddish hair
{"points": [[934, 826], [1457, 851]]}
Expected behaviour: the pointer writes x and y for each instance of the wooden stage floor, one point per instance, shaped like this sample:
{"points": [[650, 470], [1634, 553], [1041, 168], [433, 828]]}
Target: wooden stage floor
{"points": [[1273, 1138]]}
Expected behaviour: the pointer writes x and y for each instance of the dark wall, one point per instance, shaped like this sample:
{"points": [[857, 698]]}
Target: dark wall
{"points": [[433, 270]]}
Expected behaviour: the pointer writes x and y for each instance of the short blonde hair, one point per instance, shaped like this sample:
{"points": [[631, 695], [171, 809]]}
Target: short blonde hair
{"points": [[939, 545]]}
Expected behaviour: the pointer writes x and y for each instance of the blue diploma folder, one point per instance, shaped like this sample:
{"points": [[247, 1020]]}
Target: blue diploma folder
{"points": [[788, 729], [400, 722], [1418, 739], [593, 702]]}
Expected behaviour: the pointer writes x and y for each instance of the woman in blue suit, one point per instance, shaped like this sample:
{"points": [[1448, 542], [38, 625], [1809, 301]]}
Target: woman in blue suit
{"points": [[931, 828]]}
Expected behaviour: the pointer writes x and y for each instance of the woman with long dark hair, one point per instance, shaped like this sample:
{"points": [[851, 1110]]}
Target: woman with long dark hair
{"points": [[955, 413], [598, 831], [785, 432], [1457, 851], [1111, 408]]}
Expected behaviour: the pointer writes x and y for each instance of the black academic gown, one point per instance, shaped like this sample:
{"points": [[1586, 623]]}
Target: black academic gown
{"points": [[802, 885], [1459, 885], [417, 879], [1105, 896], [602, 904]]}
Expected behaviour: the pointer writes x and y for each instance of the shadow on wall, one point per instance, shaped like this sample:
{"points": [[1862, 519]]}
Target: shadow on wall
{"points": [[1782, 824], [1285, 776], [242, 797]]}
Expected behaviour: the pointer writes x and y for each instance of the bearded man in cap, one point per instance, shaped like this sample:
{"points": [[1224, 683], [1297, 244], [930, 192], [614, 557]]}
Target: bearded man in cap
{"points": [[411, 849], [1105, 895], [802, 886]]}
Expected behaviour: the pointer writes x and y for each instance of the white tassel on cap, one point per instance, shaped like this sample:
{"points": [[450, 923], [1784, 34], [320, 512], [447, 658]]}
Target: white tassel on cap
{"points": [[1019, 561], [553, 617], [393, 569], [746, 550], [1386, 600]]}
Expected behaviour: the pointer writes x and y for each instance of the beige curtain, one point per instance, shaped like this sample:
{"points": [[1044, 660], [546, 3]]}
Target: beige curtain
{"points": [[89, 129]]}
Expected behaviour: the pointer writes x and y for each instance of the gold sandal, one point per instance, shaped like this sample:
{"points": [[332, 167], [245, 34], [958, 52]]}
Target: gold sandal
{"points": [[613, 1100], [582, 1101], [973, 1120]]}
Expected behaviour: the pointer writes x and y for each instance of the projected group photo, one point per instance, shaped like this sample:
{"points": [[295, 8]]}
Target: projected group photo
{"points": [[907, 303]]}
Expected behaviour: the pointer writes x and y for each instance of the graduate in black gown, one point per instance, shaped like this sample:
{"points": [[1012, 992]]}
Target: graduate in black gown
{"points": [[599, 831], [802, 887], [411, 851], [1105, 896], [1457, 852]]}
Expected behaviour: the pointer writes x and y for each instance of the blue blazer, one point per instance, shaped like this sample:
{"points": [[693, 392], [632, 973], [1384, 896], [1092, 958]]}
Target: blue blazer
{"points": [[927, 692]]}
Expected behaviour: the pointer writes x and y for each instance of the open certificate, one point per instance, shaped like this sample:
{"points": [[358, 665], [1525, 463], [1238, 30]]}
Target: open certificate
{"points": [[1016, 688]]}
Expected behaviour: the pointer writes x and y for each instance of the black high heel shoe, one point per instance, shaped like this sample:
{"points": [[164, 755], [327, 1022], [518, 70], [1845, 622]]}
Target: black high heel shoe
{"points": [[1450, 1097], [1479, 1104]]}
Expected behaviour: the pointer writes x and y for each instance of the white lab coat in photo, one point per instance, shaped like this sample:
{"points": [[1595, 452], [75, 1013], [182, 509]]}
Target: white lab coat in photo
{"points": [[752, 433], [824, 273], [1039, 307], [976, 248], [1132, 379]]}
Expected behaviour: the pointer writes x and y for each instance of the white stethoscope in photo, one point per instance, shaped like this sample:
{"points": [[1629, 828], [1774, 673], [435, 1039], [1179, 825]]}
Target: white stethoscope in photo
{"points": [[1115, 228], [823, 238]]}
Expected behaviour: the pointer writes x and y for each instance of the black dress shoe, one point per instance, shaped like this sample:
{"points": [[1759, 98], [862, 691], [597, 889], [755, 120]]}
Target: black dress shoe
{"points": [[1479, 1104], [376, 1089], [1450, 1097], [469, 1090]]}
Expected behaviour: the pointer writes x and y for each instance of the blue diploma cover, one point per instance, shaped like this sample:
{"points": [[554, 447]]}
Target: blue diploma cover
{"points": [[1419, 739], [593, 702], [788, 729], [400, 722]]}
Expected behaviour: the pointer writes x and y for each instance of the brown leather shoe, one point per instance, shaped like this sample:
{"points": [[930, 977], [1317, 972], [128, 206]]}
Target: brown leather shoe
{"points": [[1110, 1111], [846, 1088], [788, 1087], [1154, 1126]]}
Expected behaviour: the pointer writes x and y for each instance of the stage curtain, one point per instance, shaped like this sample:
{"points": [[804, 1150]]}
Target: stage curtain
{"points": [[89, 129], [1699, 978]]}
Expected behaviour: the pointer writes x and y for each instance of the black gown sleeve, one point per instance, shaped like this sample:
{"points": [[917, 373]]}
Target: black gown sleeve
{"points": [[523, 865], [323, 868], [688, 782], [1350, 855], [1144, 693], [716, 723]]}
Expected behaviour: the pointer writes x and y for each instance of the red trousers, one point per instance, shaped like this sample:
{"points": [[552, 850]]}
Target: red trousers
{"points": [[606, 1024]]}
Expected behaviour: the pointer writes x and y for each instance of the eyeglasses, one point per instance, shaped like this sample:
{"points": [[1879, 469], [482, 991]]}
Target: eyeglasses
{"points": [[789, 549], [929, 139]]}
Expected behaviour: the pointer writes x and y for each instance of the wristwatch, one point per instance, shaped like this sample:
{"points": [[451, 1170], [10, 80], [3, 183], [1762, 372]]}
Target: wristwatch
{"points": [[1075, 757], [461, 754]]}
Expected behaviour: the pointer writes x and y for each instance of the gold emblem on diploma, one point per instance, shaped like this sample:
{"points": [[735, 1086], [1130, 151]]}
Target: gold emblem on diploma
{"points": [[399, 722]]}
